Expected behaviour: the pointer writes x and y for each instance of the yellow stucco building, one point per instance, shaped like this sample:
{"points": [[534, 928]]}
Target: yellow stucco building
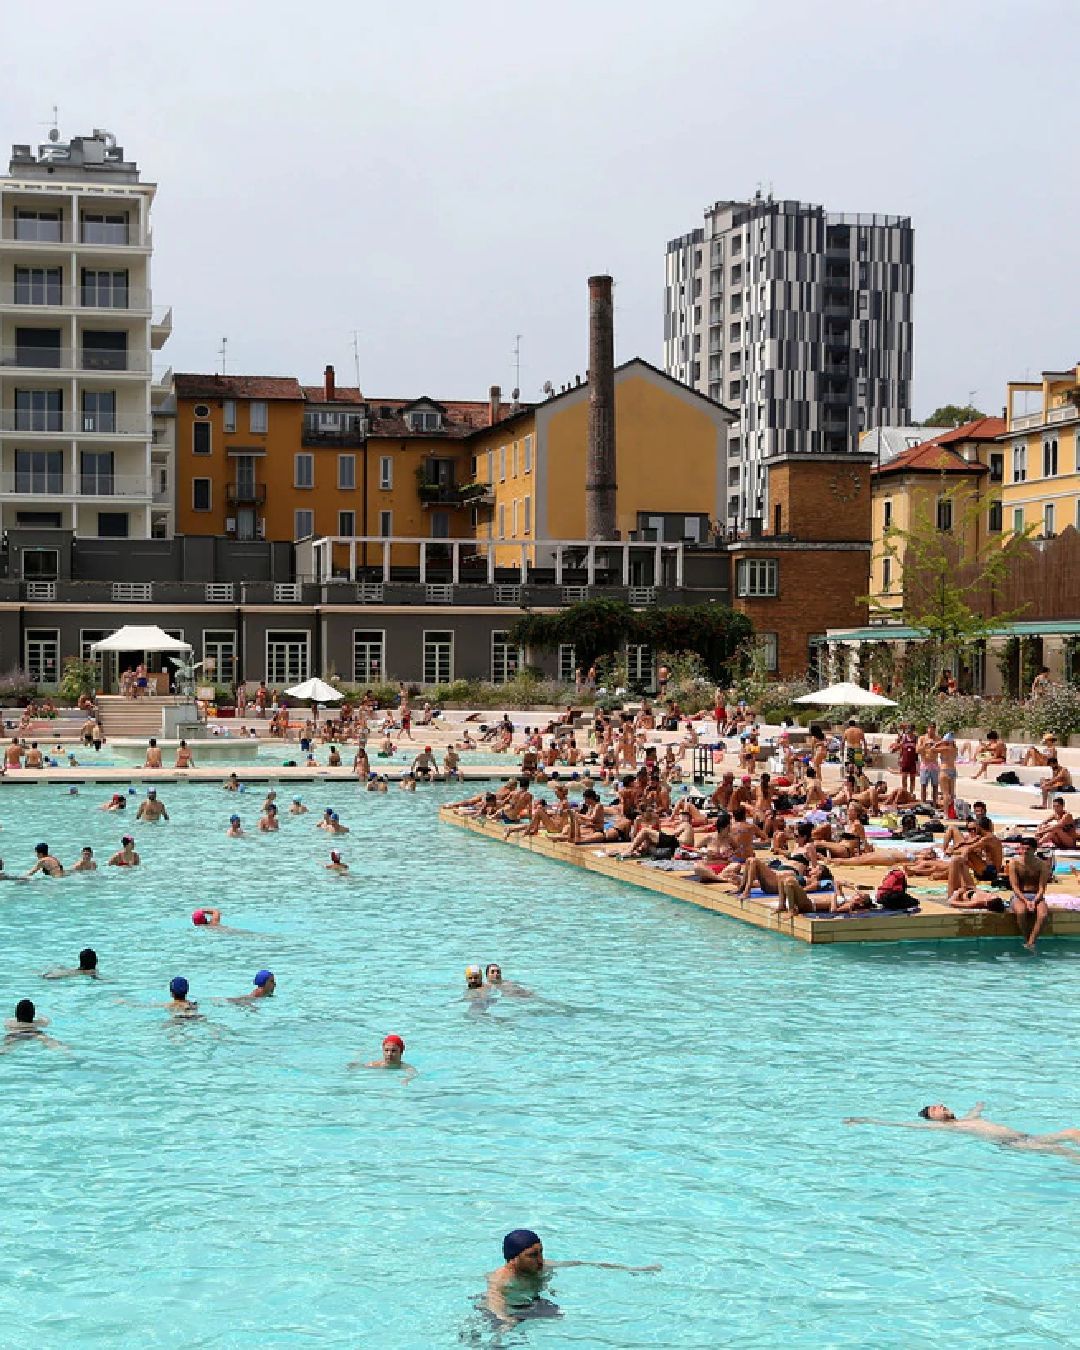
{"points": [[1042, 454]]}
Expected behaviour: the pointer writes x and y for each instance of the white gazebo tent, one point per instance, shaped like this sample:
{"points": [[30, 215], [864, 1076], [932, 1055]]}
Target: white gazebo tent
{"points": [[147, 639], [315, 691]]}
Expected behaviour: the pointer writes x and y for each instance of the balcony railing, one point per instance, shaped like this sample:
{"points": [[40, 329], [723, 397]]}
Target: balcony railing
{"points": [[245, 494], [32, 421], [92, 359], [126, 299], [349, 435], [44, 484], [101, 234]]}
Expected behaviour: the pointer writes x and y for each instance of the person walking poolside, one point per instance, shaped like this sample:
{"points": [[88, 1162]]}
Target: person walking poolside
{"points": [[929, 767]]}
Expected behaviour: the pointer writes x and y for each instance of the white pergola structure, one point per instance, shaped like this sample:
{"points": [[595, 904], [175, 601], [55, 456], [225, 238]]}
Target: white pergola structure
{"points": [[560, 554]]}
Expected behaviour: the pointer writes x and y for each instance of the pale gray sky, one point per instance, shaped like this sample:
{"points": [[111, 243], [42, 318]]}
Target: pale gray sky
{"points": [[443, 176]]}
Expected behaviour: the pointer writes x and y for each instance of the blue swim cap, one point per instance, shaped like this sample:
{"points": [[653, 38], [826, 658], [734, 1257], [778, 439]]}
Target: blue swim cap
{"points": [[131, 792], [234, 820], [518, 1241], [178, 986], [262, 977], [73, 791]]}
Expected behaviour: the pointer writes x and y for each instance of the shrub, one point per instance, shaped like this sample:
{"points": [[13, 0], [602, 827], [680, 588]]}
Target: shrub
{"points": [[1057, 711], [16, 687], [79, 677]]}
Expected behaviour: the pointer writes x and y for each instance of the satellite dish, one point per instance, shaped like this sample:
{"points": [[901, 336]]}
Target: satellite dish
{"points": [[54, 134]]}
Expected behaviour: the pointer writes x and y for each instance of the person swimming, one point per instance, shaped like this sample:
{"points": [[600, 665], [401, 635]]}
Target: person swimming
{"points": [[88, 966], [393, 1048], [179, 1004], [263, 986], [1065, 1143], [46, 864], [235, 830], [336, 864]]}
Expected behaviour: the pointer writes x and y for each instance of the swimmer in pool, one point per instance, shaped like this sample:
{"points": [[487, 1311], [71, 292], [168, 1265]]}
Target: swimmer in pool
{"points": [[298, 808], [87, 966], [26, 1025], [151, 809], [86, 861], [231, 784], [514, 1290], [494, 976], [235, 831], [125, 856], [179, 1004], [117, 802], [335, 864], [476, 994], [268, 821], [327, 822], [335, 826], [263, 986], [206, 918], [46, 864], [393, 1048], [938, 1117]]}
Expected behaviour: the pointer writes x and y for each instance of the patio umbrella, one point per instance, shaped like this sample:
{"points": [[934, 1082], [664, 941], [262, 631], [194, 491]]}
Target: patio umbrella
{"points": [[316, 691], [847, 695]]}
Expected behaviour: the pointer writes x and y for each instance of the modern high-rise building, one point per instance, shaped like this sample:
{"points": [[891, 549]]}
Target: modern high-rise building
{"points": [[77, 390], [797, 318]]}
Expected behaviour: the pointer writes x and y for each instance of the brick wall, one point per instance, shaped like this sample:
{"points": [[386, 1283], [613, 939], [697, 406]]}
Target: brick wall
{"points": [[820, 497]]}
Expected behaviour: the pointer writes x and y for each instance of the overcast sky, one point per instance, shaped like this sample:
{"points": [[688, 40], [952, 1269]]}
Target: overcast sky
{"points": [[440, 177]]}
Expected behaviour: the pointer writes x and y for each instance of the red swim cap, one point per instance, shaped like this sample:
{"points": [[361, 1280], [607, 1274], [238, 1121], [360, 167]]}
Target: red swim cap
{"points": [[199, 916], [394, 1040]]}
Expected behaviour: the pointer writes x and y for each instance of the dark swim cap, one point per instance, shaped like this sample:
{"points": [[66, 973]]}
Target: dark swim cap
{"points": [[88, 959], [178, 986], [520, 1240]]}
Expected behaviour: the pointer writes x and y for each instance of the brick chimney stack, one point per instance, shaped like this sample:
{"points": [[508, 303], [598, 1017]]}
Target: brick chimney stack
{"points": [[494, 404], [600, 485], [328, 380]]}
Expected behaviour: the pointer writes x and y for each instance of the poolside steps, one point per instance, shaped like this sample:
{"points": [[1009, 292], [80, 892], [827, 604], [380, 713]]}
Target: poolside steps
{"points": [[136, 717]]}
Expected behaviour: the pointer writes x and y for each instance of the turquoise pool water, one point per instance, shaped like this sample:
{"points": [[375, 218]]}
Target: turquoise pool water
{"points": [[674, 1093]]}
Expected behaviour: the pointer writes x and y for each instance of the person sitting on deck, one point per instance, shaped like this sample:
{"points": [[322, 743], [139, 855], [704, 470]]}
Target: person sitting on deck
{"points": [[1029, 877], [1059, 831], [991, 751], [1059, 780], [1035, 758]]}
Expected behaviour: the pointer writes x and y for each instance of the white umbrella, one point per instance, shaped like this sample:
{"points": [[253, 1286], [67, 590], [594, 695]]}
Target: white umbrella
{"points": [[847, 696], [317, 691], [139, 638]]}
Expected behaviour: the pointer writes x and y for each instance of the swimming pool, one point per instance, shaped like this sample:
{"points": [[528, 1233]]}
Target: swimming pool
{"points": [[674, 1094]]}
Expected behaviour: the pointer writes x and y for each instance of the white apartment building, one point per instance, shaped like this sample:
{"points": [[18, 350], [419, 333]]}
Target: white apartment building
{"points": [[797, 318], [78, 450]]}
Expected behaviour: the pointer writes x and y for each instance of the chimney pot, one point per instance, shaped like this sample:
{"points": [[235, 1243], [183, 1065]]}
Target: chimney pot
{"points": [[328, 380], [494, 403]]}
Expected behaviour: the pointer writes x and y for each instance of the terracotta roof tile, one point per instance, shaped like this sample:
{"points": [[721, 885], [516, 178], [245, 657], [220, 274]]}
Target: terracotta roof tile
{"points": [[930, 457], [316, 393], [237, 386], [982, 429]]}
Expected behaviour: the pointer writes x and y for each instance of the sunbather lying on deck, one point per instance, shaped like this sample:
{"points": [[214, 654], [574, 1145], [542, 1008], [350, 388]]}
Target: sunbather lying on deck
{"points": [[847, 899]]}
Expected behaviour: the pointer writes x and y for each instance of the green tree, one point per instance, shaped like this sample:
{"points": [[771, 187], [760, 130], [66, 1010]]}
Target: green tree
{"points": [[953, 415], [949, 582]]}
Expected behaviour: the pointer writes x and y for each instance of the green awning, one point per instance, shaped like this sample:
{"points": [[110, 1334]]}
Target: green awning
{"points": [[899, 633]]}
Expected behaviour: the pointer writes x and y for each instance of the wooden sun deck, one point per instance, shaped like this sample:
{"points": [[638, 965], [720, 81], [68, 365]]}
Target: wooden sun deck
{"points": [[935, 923]]}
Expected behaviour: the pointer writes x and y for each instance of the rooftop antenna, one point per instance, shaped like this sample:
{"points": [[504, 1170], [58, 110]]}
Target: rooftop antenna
{"points": [[517, 360], [54, 125], [356, 355], [223, 352]]}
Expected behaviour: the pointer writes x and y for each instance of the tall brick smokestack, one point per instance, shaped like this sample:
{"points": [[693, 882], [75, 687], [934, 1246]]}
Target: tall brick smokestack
{"points": [[600, 454]]}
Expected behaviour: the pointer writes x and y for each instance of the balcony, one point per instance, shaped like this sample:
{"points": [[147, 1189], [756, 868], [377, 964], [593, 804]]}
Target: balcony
{"points": [[32, 295], [350, 436], [88, 233], [86, 360], [27, 422], [160, 327], [454, 494], [81, 486], [245, 494]]}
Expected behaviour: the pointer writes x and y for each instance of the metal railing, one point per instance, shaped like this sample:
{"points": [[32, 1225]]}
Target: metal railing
{"points": [[46, 422], [245, 494], [287, 592], [573, 595], [44, 484], [125, 299], [91, 359], [41, 590], [369, 592], [439, 594], [508, 595], [132, 590], [101, 234], [643, 595], [219, 592]]}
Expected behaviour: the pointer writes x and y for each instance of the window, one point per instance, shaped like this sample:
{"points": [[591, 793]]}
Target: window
{"points": [[513, 459], [502, 464], [514, 519], [45, 227], [39, 410], [39, 285], [104, 290], [346, 471], [96, 473], [1018, 520], [1050, 459], [440, 524], [219, 655], [526, 525], [40, 564], [39, 471], [369, 655], [886, 518], [87, 638], [257, 419], [639, 665], [200, 438], [886, 573], [438, 657], [346, 522], [98, 228], [567, 663], [229, 414], [424, 421], [770, 649], [502, 521], [756, 577], [1019, 463], [506, 659], [944, 514], [386, 524], [491, 466], [286, 656], [200, 494], [993, 519], [997, 467], [112, 524], [386, 472], [42, 347], [43, 655], [528, 454], [304, 471], [1048, 520], [303, 523], [99, 411]]}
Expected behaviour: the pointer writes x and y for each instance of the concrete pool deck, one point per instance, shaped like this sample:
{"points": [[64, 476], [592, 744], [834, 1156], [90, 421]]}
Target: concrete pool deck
{"points": [[936, 922]]}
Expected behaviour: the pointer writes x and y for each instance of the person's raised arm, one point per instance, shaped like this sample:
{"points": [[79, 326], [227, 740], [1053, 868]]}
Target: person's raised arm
{"points": [[975, 1112], [896, 1124]]}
